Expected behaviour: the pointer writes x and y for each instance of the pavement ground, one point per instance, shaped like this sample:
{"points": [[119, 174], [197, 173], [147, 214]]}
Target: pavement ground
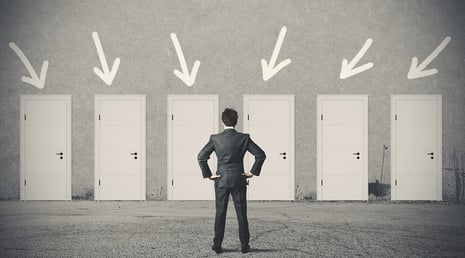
{"points": [[185, 229]]}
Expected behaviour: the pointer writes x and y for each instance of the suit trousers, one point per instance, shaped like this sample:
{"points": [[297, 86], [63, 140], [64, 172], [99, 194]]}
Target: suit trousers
{"points": [[240, 204]]}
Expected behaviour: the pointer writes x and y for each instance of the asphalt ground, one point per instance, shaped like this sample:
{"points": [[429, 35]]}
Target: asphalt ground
{"points": [[185, 229]]}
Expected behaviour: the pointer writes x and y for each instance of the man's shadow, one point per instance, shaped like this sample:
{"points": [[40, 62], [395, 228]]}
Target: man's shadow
{"points": [[252, 250]]}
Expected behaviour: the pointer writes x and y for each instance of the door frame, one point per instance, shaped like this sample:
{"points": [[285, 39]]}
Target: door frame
{"points": [[245, 128], [170, 160], [319, 98], [22, 174], [394, 98], [143, 152]]}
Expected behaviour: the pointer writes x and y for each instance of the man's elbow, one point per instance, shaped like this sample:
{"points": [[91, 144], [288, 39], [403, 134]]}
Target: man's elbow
{"points": [[202, 158]]}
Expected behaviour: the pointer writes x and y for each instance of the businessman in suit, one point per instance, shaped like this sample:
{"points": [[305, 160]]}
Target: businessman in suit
{"points": [[230, 147]]}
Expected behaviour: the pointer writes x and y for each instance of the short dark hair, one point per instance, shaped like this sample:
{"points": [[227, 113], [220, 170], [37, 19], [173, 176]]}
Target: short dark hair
{"points": [[229, 117]]}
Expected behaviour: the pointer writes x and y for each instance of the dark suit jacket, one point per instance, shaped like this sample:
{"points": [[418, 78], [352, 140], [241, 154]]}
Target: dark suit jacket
{"points": [[230, 147]]}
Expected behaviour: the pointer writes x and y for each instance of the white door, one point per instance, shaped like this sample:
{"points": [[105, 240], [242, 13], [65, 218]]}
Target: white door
{"points": [[191, 121], [120, 147], [45, 147], [269, 119], [416, 135], [342, 147]]}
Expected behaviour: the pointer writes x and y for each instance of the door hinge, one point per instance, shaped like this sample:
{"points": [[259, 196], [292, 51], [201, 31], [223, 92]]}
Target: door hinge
{"points": [[25, 182], [98, 116], [172, 117], [25, 116], [172, 182], [248, 117], [321, 117], [99, 182], [395, 182], [322, 182], [396, 117]]}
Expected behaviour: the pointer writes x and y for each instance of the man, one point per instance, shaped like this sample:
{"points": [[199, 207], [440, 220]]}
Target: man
{"points": [[230, 147]]}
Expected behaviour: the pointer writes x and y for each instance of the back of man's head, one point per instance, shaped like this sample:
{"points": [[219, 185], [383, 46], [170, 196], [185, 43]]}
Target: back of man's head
{"points": [[229, 117]]}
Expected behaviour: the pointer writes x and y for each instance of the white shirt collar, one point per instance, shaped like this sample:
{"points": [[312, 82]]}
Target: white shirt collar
{"points": [[229, 127]]}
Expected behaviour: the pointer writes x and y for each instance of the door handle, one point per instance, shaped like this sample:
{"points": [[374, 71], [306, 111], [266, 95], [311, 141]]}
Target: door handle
{"points": [[356, 154], [135, 154], [430, 153], [60, 153], [282, 153]]}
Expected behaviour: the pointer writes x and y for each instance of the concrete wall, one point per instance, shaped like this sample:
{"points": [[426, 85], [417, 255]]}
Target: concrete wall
{"points": [[229, 38]]}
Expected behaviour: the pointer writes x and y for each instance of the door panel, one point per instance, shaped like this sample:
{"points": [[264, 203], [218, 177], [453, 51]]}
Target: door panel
{"points": [[351, 111], [416, 187], [192, 137], [416, 162], [345, 165], [260, 113], [119, 162], [46, 187], [45, 147], [120, 137], [416, 147], [342, 147], [344, 137], [417, 112], [46, 111], [44, 162], [121, 112], [270, 121], [271, 186], [120, 147], [191, 121], [343, 187], [417, 137], [120, 187]]}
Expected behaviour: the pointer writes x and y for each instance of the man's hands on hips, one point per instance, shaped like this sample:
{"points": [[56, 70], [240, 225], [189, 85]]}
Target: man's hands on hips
{"points": [[247, 174], [213, 177]]}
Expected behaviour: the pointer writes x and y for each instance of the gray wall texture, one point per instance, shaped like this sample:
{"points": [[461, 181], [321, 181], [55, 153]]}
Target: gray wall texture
{"points": [[229, 38]]}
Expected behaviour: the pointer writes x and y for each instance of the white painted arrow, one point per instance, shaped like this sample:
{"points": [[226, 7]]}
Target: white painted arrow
{"points": [[106, 75], [418, 71], [347, 69], [34, 80], [188, 79], [269, 70]]}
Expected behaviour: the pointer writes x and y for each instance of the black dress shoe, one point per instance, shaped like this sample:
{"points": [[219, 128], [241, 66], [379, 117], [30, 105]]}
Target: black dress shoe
{"points": [[245, 249], [217, 249]]}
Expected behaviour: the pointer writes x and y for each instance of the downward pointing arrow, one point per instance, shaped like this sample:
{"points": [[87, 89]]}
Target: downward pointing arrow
{"points": [[269, 70], [34, 80], [188, 79], [418, 71], [347, 69], [106, 75]]}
